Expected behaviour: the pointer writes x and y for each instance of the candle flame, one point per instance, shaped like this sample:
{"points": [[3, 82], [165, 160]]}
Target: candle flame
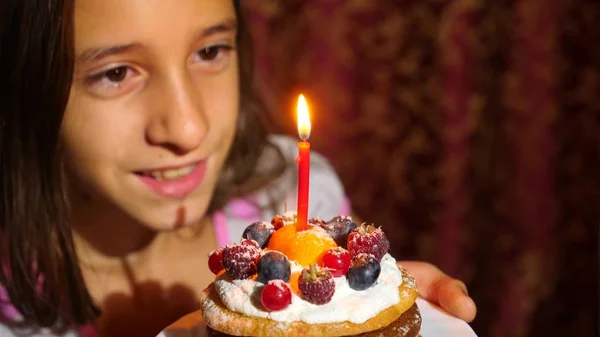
{"points": [[303, 118]]}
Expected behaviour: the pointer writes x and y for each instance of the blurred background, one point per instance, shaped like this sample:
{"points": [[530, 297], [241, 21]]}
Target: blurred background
{"points": [[469, 129]]}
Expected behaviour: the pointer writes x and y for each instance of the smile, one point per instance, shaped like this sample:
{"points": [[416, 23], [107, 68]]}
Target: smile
{"points": [[176, 182], [171, 174]]}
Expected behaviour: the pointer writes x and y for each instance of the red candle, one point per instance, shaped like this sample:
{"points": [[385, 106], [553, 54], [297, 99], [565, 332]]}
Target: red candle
{"points": [[303, 162], [303, 180]]}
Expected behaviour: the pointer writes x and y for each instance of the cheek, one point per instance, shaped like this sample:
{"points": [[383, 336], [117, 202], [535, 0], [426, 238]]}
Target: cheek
{"points": [[95, 135], [222, 104], [227, 120]]}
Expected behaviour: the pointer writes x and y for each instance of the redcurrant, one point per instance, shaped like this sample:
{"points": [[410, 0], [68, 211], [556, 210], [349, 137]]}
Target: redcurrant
{"points": [[276, 295], [337, 259], [215, 261]]}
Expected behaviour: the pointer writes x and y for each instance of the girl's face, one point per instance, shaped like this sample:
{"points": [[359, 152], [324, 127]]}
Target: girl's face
{"points": [[153, 108]]}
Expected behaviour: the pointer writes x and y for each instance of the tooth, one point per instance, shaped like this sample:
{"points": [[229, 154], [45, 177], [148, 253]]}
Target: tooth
{"points": [[172, 173]]}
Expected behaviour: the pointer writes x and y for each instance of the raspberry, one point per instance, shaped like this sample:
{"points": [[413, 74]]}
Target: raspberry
{"points": [[288, 218], [368, 239], [276, 295], [337, 259], [339, 227], [240, 260], [316, 285], [250, 242], [272, 266], [260, 232], [364, 271], [215, 259]]}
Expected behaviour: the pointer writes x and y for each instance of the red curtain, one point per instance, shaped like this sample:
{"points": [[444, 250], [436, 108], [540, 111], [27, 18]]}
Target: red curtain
{"points": [[469, 129]]}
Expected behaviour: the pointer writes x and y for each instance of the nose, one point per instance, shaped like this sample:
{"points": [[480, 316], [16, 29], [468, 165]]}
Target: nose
{"points": [[178, 120]]}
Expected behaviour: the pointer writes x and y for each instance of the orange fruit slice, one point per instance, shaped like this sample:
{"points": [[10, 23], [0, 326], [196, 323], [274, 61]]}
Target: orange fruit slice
{"points": [[304, 247], [294, 282], [282, 238]]}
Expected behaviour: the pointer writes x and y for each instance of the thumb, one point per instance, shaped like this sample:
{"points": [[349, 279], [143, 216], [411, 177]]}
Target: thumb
{"points": [[437, 287], [453, 297]]}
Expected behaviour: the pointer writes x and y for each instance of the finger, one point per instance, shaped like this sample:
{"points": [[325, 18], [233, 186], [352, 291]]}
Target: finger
{"points": [[439, 288], [427, 277], [453, 297]]}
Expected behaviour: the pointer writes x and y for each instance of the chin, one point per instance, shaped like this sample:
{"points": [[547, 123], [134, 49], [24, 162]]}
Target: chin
{"points": [[177, 215]]}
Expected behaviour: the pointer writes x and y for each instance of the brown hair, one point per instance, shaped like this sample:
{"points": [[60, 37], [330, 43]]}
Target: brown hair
{"points": [[36, 68], [240, 175]]}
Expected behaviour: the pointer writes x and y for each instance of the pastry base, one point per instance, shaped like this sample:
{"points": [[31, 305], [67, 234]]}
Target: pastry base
{"points": [[407, 325], [400, 320]]}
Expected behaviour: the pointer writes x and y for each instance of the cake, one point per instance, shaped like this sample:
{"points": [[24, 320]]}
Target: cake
{"points": [[333, 278]]}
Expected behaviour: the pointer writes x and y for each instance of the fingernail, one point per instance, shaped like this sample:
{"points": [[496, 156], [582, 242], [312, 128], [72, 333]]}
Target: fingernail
{"points": [[463, 286], [472, 308]]}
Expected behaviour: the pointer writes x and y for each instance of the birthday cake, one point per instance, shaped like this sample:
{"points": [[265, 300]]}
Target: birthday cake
{"points": [[331, 278]]}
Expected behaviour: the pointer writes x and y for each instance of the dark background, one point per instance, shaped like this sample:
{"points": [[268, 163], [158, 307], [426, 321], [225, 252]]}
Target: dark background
{"points": [[469, 129]]}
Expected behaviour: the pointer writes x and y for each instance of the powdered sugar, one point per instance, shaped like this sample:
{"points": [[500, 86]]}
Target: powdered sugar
{"points": [[346, 304], [316, 230], [279, 284], [240, 260]]}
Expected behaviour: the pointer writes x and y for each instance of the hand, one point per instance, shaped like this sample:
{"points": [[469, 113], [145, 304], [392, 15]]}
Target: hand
{"points": [[441, 289]]}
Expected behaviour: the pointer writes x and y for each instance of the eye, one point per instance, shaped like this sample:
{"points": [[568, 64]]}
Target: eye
{"points": [[112, 81], [116, 74], [113, 75], [209, 53], [213, 57]]}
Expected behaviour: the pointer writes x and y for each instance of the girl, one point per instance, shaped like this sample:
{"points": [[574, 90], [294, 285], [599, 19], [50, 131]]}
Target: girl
{"points": [[131, 145]]}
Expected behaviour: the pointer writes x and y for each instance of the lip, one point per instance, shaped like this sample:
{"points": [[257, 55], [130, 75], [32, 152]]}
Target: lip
{"points": [[176, 188]]}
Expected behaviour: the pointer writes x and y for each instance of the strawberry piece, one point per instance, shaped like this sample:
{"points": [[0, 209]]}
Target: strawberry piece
{"points": [[288, 218], [316, 222]]}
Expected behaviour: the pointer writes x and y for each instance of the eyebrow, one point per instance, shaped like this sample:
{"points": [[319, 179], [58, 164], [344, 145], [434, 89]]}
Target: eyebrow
{"points": [[225, 26], [95, 54]]}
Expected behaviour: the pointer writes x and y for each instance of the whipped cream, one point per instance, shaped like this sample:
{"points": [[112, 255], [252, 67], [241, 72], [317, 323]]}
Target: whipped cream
{"points": [[347, 304]]}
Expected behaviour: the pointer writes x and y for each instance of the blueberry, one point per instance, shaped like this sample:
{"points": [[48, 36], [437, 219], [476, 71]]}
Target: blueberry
{"points": [[273, 266], [364, 271], [260, 232], [338, 228]]}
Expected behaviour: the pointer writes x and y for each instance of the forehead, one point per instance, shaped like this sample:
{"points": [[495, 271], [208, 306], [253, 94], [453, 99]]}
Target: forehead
{"points": [[156, 21]]}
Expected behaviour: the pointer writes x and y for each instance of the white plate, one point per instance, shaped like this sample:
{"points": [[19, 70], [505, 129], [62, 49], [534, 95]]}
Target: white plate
{"points": [[436, 323]]}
